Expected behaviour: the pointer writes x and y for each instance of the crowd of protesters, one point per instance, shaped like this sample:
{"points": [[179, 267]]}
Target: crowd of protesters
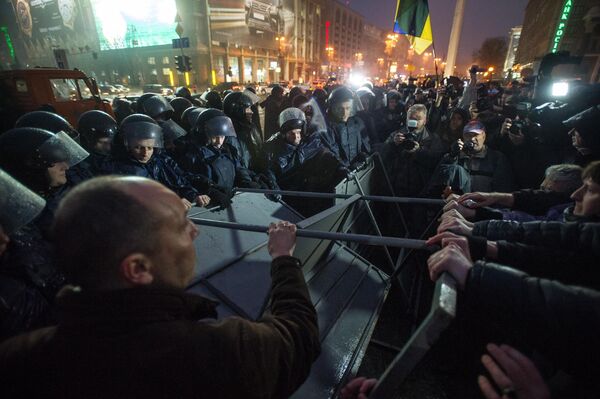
{"points": [[95, 255]]}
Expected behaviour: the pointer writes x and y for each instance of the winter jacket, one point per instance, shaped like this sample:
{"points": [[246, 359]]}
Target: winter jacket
{"points": [[160, 167], [489, 170], [29, 282], [410, 171], [561, 322], [286, 161], [148, 343], [272, 106], [345, 140], [248, 145], [208, 166]]}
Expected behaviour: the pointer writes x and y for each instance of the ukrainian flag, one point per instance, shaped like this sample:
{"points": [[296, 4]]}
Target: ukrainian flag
{"points": [[413, 20]]}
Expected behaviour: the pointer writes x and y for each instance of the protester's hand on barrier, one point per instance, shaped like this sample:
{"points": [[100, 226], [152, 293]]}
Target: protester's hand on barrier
{"points": [[466, 213], [358, 388], [202, 200], [454, 225], [479, 199], [399, 138], [450, 259], [452, 197], [513, 373], [282, 239], [187, 204], [505, 129]]}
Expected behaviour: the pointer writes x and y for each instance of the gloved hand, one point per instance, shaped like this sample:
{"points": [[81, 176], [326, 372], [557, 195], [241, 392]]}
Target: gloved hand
{"points": [[219, 197]]}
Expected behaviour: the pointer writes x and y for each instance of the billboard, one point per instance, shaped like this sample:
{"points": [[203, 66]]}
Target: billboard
{"points": [[134, 23], [251, 22], [41, 19]]}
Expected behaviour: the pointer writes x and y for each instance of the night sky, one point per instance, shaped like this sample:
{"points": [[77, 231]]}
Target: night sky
{"points": [[483, 19]]}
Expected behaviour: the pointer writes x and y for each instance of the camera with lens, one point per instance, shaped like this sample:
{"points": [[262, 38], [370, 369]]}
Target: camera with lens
{"points": [[469, 147], [410, 137]]}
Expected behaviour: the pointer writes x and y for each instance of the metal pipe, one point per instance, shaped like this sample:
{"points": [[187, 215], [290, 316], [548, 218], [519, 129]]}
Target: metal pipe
{"points": [[376, 198], [323, 235]]}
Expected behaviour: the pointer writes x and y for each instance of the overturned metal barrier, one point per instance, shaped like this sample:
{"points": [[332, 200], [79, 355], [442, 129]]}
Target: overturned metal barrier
{"points": [[443, 311], [233, 267]]}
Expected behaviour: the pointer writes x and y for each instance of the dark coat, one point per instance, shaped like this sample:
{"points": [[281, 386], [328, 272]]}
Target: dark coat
{"points": [[561, 322], [248, 145], [410, 172], [160, 167], [286, 162], [490, 170], [388, 122], [29, 282], [345, 141], [567, 252], [148, 343], [208, 166], [272, 106]]}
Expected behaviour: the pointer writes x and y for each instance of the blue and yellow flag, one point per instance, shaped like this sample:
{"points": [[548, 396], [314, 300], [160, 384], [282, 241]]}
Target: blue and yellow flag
{"points": [[412, 20]]}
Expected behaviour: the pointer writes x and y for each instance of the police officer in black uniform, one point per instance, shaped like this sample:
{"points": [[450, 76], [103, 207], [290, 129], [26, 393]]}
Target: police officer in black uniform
{"points": [[159, 109], [248, 143], [97, 129], [143, 141], [211, 162], [55, 123], [291, 149]]}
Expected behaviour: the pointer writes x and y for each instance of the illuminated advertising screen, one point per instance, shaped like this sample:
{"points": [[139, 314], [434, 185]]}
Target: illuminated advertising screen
{"points": [[38, 19], [251, 22], [134, 23]]}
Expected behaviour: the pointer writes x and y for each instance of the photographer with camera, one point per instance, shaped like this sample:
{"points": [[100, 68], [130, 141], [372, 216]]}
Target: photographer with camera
{"points": [[410, 154], [488, 169]]}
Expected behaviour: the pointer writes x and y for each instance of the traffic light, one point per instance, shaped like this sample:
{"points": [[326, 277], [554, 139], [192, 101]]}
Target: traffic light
{"points": [[187, 63], [179, 63]]}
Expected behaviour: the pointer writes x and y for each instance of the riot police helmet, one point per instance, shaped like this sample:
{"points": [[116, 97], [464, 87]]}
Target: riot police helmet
{"points": [[235, 105], [95, 124], [138, 127], [158, 108], [183, 92], [212, 99], [210, 123], [48, 121], [27, 152], [290, 119], [179, 105]]}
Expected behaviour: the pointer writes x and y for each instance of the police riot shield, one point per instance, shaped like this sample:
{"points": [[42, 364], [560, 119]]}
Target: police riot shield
{"points": [[18, 204], [62, 148], [171, 130]]}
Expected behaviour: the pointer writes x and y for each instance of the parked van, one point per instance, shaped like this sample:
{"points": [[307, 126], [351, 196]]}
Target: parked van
{"points": [[67, 92]]}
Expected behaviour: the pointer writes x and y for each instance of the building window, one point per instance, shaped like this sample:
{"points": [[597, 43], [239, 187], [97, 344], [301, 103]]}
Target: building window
{"points": [[166, 71], [152, 60], [165, 60]]}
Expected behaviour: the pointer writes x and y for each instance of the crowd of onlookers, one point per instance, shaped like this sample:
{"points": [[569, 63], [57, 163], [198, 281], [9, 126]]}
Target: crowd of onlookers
{"points": [[107, 258]]}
